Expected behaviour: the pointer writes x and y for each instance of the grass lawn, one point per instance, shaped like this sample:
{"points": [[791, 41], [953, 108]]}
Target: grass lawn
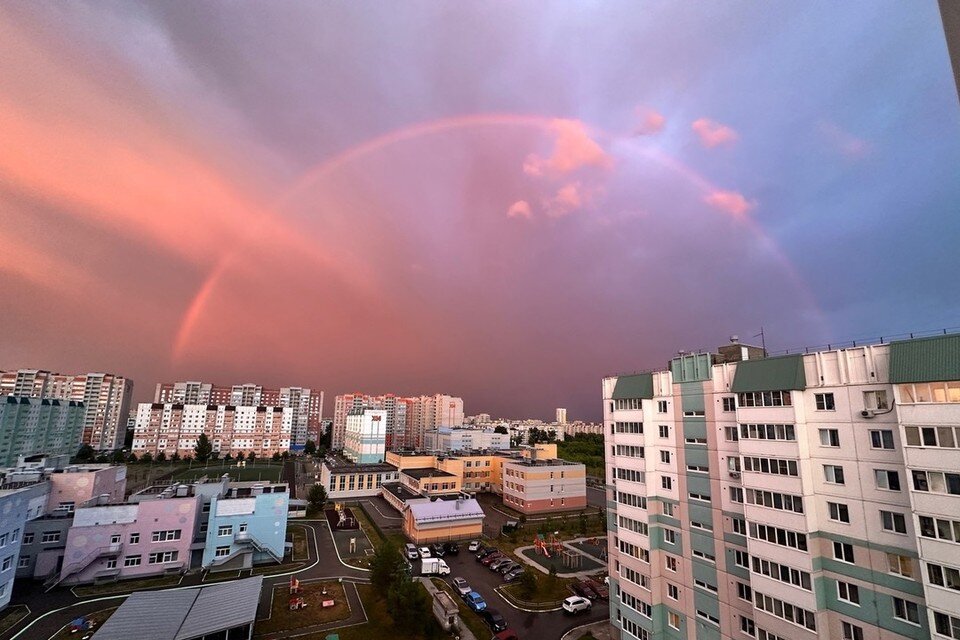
{"points": [[11, 616], [283, 619], [267, 471], [270, 569], [467, 615], [98, 617], [549, 590], [380, 623], [126, 586], [298, 535]]}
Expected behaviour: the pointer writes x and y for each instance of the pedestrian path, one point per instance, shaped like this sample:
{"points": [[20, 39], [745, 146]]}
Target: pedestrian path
{"points": [[465, 633]]}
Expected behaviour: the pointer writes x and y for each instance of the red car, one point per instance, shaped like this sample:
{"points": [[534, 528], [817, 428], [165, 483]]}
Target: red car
{"points": [[491, 558], [507, 634]]}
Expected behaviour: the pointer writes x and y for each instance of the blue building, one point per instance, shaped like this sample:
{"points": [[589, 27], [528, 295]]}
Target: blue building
{"points": [[17, 506], [247, 525]]}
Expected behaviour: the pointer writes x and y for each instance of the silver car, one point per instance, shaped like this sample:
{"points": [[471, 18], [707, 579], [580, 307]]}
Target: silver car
{"points": [[461, 586]]}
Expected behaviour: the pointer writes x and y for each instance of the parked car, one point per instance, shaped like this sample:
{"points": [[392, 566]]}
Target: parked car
{"points": [[507, 634], [425, 552], [452, 548], [437, 550], [599, 587], [461, 586], [412, 553], [514, 575], [576, 604], [493, 619], [499, 562], [490, 559], [584, 589], [474, 546], [486, 551], [506, 568], [475, 601]]}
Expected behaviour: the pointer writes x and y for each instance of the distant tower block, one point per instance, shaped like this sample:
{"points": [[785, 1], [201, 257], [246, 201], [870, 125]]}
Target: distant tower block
{"points": [[561, 416]]}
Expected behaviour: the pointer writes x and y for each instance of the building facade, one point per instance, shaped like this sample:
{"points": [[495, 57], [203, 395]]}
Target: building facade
{"points": [[366, 437], [31, 426], [247, 525], [408, 419], [105, 398], [774, 497], [534, 486], [465, 439], [18, 506]]}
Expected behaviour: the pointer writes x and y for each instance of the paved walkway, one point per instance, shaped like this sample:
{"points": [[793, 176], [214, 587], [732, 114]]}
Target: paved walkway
{"points": [[51, 611]]}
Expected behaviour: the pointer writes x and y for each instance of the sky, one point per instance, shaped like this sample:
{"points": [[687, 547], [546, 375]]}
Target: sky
{"points": [[504, 201]]}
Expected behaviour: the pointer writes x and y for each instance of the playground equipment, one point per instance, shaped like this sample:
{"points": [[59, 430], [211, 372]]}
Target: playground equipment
{"points": [[544, 546], [344, 520], [297, 602], [571, 559], [294, 585]]}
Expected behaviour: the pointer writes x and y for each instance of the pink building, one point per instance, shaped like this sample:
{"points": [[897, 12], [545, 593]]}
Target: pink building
{"points": [[130, 540], [77, 485]]}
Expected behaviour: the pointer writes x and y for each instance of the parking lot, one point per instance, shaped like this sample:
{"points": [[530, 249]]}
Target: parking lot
{"points": [[533, 625]]}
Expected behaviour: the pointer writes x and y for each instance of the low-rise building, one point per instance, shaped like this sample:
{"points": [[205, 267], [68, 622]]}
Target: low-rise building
{"points": [[532, 485], [17, 507], [345, 480], [465, 439], [247, 526], [427, 520]]}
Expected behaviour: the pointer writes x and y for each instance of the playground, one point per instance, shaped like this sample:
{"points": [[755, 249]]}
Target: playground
{"points": [[299, 604], [352, 543], [240, 471], [596, 547], [549, 552]]}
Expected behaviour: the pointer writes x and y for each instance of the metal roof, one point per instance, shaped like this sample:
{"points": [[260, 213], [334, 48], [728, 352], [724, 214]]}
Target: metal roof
{"points": [[634, 386], [935, 359], [437, 510], [770, 374], [184, 614]]}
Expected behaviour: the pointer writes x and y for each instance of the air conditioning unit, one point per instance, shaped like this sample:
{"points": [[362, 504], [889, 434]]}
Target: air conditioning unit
{"points": [[734, 474], [868, 413]]}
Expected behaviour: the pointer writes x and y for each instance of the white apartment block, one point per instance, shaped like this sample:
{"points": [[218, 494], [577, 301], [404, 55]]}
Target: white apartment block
{"points": [[366, 436], [174, 428], [306, 404], [408, 419], [465, 439], [793, 498], [105, 396]]}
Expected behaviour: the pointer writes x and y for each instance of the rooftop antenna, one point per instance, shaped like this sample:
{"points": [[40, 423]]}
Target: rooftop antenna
{"points": [[763, 342]]}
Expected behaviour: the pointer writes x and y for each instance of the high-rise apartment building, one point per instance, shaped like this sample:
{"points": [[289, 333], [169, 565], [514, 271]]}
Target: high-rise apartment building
{"points": [[561, 415], [795, 497], [366, 436], [105, 397], [29, 426], [408, 419], [306, 404]]}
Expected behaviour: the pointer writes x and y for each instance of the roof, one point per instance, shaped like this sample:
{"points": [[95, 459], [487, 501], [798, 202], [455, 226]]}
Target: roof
{"points": [[186, 613], [427, 472], [437, 510], [770, 374], [634, 386], [935, 359]]}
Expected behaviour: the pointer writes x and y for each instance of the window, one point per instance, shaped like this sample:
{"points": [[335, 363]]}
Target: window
{"points": [[661, 406], [703, 556], [781, 572], [731, 434], [161, 557], [768, 432], [944, 576], [900, 565], [6, 564], [943, 437], [28, 538], [830, 437], [225, 530], [669, 536], [778, 536], [627, 404], [699, 496], [703, 615], [839, 512], [946, 625], [48, 537], [628, 427], [3, 539], [741, 559], [242, 528], [131, 561], [764, 399], [740, 526], [699, 441], [673, 619], [881, 438], [937, 482], [729, 403], [694, 414], [672, 591], [115, 538], [747, 626], [906, 610], [833, 473], [633, 525], [631, 500], [943, 529], [221, 552], [785, 611], [875, 400], [134, 538], [775, 466], [843, 551], [668, 509], [664, 431], [824, 402], [744, 592], [671, 563], [666, 482], [736, 494], [894, 522], [887, 479], [851, 631], [112, 563], [775, 500], [628, 451], [630, 475], [23, 562], [848, 592], [635, 577], [166, 536], [665, 457]]}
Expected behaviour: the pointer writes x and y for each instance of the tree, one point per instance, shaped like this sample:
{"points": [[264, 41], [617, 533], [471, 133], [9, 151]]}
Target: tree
{"points": [[132, 458], [119, 457], [252, 456], [176, 456], [310, 448], [326, 439], [409, 606], [241, 456], [85, 453], [317, 497], [528, 584], [147, 457], [215, 455], [387, 565], [228, 458], [276, 456], [500, 429], [203, 448], [162, 456]]}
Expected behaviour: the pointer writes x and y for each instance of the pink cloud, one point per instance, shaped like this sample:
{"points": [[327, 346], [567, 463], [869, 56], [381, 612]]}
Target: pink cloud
{"points": [[649, 122], [731, 202], [570, 197], [520, 209], [713, 134], [573, 149], [844, 142]]}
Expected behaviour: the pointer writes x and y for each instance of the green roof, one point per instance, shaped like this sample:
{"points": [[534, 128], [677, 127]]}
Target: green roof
{"points": [[935, 359], [770, 374], [635, 386]]}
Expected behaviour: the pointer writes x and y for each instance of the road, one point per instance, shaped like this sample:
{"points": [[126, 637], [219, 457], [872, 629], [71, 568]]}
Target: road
{"points": [[528, 625]]}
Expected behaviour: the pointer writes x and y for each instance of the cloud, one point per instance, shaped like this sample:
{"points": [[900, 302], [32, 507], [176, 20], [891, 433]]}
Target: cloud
{"points": [[520, 209], [844, 142], [713, 134], [571, 197], [649, 122], [731, 202], [573, 149]]}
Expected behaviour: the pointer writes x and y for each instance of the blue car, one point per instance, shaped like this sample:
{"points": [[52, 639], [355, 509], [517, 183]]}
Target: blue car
{"points": [[475, 601]]}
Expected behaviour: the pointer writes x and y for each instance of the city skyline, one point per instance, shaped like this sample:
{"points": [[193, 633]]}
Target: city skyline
{"points": [[457, 199]]}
